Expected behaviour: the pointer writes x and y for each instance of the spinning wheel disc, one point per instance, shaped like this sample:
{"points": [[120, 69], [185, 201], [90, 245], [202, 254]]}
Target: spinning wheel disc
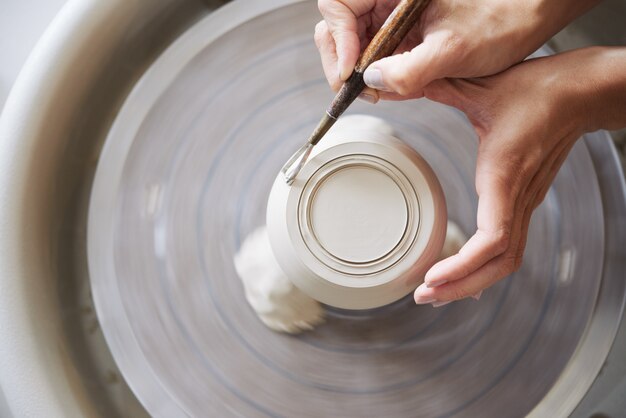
{"points": [[185, 176]]}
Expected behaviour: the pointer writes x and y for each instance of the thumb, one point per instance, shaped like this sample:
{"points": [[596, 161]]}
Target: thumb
{"points": [[406, 74]]}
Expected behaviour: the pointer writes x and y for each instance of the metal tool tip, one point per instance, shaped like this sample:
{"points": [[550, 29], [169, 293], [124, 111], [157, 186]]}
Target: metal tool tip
{"points": [[291, 169]]}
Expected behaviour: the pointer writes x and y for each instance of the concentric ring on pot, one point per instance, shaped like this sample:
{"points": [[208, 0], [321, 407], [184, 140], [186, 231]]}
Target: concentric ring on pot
{"points": [[368, 253]]}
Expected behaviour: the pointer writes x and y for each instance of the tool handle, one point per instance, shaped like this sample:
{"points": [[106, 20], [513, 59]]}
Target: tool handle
{"points": [[392, 32], [386, 40]]}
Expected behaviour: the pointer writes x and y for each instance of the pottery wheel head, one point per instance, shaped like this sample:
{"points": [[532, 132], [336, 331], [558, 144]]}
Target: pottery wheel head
{"points": [[184, 178]]}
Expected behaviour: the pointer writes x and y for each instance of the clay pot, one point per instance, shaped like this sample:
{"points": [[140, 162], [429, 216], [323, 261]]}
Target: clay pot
{"points": [[362, 222]]}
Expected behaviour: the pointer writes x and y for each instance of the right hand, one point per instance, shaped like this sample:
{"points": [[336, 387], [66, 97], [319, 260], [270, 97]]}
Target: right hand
{"points": [[454, 38]]}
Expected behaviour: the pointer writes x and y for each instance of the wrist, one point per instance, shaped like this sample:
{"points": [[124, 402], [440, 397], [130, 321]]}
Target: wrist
{"points": [[547, 17], [600, 87]]}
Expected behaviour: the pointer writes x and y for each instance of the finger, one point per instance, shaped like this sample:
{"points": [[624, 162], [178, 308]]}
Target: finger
{"points": [[534, 194], [511, 259], [448, 91], [525, 206], [486, 275], [326, 46], [494, 269], [541, 194], [452, 269], [469, 286], [495, 218], [538, 196], [407, 73], [541, 184], [343, 26]]}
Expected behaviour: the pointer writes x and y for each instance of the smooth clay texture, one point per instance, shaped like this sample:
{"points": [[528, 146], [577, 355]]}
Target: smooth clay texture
{"points": [[358, 214]]}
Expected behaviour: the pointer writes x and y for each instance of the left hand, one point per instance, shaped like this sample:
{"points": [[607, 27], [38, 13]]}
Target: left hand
{"points": [[527, 119]]}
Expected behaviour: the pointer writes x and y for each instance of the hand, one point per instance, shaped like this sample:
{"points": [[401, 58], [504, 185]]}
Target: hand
{"points": [[527, 119], [454, 38]]}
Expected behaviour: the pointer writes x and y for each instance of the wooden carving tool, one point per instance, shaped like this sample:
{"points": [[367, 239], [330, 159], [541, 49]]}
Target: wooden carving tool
{"points": [[384, 43]]}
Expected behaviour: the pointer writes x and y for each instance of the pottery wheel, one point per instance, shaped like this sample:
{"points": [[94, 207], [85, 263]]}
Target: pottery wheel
{"points": [[184, 177]]}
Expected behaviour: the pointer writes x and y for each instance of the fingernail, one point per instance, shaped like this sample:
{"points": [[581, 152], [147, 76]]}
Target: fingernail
{"points": [[341, 70], [373, 77], [367, 98], [438, 304], [478, 295], [435, 283], [421, 300]]}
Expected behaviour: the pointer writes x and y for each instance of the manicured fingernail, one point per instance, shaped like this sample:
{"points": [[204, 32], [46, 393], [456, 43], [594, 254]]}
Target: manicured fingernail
{"points": [[419, 296], [435, 283], [438, 304], [374, 79], [422, 300], [367, 98], [477, 295]]}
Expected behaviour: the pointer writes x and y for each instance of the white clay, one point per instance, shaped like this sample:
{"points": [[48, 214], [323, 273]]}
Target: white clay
{"points": [[363, 220], [351, 221], [277, 302], [340, 215]]}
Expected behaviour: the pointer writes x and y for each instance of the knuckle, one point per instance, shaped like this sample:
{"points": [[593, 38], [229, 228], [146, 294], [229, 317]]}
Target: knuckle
{"points": [[320, 27], [332, 10], [459, 293], [323, 5], [399, 78], [464, 270], [508, 265], [402, 87], [522, 170], [518, 257], [541, 195], [500, 240], [516, 163], [431, 92], [453, 44], [320, 31]]}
